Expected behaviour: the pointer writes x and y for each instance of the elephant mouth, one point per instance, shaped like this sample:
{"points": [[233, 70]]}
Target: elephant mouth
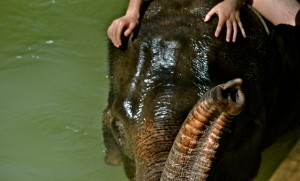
{"points": [[198, 141]]}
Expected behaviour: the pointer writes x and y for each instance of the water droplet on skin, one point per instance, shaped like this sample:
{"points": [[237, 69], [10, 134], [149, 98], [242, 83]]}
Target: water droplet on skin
{"points": [[19, 57]]}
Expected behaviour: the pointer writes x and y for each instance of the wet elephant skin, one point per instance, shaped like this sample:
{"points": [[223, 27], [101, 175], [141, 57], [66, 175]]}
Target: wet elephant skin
{"points": [[160, 73]]}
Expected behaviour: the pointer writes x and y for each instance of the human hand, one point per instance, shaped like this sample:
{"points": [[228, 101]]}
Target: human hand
{"points": [[125, 23], [228, 12]]}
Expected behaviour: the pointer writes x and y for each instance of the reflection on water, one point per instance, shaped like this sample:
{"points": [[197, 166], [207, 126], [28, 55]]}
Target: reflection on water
{"points": [[53, 88]]}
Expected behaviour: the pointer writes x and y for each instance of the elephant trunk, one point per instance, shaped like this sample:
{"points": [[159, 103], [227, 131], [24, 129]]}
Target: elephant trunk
{"points": [[197, 143]]}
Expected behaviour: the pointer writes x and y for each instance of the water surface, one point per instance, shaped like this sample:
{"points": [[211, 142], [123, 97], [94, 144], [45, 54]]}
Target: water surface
{"points": [[53, 89]]}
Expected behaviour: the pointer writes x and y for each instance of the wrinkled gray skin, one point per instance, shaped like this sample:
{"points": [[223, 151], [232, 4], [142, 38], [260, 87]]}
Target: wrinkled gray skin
{"points": [[161, 72]]}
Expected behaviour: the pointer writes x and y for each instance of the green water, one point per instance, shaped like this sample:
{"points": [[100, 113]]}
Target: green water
{"points": [[53, 89]]}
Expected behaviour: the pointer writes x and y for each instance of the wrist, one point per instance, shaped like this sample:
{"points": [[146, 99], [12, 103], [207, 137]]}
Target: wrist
{"points": [[133, 12], [133, 9]]}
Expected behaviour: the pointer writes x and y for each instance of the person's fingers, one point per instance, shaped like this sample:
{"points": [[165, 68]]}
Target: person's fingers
{"points": [[242, 28], [114, 32], [111, 33], [210, 14], [235, 31], [240, 24], [114, 37], [118, 32], [219, 26], [130, 29], [228, 31]]}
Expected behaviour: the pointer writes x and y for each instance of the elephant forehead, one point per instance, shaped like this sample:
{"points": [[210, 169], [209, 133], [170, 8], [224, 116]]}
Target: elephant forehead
{"points": [[162, 62], [164, 53], [155, 58], [161, 76]]}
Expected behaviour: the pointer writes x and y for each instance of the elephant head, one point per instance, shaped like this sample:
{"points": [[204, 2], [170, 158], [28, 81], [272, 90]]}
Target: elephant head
{"points": [[161, 72]]}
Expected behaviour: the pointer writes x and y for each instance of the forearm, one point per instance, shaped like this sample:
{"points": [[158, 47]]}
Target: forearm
{"points": [[134, 8], [278, 11]]}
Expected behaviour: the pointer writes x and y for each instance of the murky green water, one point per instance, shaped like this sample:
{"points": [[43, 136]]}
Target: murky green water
{"points": [[53, 88]]}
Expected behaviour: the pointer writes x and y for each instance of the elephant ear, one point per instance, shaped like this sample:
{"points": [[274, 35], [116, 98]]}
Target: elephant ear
{"points": [[113, 155]]}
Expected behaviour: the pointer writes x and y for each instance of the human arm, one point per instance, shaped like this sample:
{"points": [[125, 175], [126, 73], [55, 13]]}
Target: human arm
{"points": [[126, 23], [278, 11], [228, 13]]}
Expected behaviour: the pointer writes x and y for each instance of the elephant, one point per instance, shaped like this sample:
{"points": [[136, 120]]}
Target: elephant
{"points": [[185, 105]]}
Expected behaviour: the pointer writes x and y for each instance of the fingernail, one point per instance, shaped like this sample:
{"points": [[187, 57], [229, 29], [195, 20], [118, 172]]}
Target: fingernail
{"points": [[206, 17]]}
